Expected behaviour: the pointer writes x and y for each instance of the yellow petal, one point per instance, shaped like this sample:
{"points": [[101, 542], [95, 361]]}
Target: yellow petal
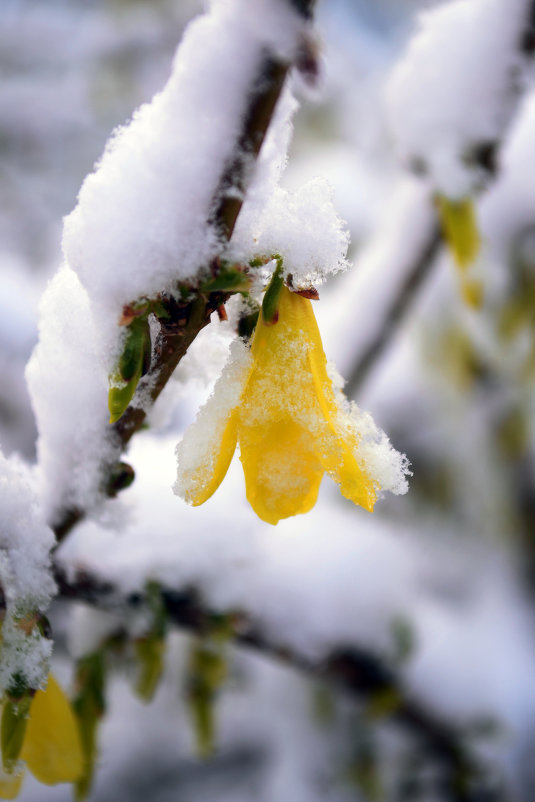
{"points": [[289, 423], [52, 748], [10, 785], [338, 455], [282, 471], [355, 484], [204, 481]]}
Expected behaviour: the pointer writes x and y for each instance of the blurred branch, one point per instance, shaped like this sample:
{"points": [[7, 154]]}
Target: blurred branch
{"points": [[412, 279], [186, 320], [352, 669]]}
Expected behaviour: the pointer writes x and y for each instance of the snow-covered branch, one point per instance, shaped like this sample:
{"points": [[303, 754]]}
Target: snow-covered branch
{"points": [[208, 187]]}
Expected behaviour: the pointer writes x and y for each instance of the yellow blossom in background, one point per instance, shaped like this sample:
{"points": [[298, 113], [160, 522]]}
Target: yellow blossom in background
{"points": [[461, 232], [290, 424], [51, 749]]}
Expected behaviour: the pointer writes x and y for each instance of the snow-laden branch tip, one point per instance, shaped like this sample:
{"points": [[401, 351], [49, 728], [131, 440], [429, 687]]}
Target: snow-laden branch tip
{"points": [[142, 222], [453, 95]]}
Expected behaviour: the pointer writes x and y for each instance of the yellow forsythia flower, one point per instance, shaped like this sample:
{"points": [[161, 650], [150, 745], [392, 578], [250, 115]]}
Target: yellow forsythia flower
{"points": [[51, 748], [288, 420]]}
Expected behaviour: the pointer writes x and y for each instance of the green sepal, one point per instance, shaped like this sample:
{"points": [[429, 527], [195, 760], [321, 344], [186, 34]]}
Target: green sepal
{"points": [[13, 729], [270, 304], [89, 707], [460, 229]]}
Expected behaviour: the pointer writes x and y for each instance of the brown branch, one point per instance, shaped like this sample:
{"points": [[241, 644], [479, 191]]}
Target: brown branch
{"points": [[354, 670]]}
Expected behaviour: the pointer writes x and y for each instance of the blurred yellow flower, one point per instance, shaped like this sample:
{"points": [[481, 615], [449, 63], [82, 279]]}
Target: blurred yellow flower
{"points": [[289, 423], [51, 747], [460, 229]]}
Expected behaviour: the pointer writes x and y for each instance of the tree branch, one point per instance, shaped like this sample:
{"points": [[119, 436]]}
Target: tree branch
{"points": [[363, 675], [395, 313]]}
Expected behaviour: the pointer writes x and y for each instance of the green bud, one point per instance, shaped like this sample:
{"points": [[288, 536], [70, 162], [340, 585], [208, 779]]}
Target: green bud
{"points": [[150, 649], [150, 652], [207, 673], [89, 707], [121, 476]]}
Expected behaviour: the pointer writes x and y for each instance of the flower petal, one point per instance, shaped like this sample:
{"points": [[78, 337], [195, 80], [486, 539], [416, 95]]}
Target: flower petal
{"points": [[338, 455], [52, 748], [281, 468], [206, 478], [205, 452]]}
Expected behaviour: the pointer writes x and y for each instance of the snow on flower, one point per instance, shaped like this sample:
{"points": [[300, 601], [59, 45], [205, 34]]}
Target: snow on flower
{"points": [[280, 405], [444, 105]]}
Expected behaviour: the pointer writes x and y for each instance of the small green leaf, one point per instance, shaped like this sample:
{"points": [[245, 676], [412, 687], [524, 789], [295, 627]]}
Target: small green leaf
{"points": [[230, 278], [150, 649], [89, 707], [133, 363], [132, 350], [120, 395], [160, 310]]}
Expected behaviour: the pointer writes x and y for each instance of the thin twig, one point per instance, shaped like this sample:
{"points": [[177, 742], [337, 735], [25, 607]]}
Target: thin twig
{"points": [[360, 673], [396, 312]]}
